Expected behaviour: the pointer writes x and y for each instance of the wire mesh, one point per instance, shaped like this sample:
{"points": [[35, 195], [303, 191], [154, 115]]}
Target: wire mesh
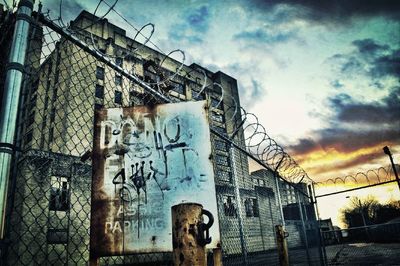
{"points": [[73, 70], [372, 244]]}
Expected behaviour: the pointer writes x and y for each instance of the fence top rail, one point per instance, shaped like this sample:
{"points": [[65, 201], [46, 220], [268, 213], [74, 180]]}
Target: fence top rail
{"points": [[362, 227]]}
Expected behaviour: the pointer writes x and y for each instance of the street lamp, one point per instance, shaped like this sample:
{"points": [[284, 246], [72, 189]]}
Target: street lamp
{"points": [[388, 153]]}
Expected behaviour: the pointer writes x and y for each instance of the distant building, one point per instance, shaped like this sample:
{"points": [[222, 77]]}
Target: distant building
{"points": [[331, 234], [290, 205]]}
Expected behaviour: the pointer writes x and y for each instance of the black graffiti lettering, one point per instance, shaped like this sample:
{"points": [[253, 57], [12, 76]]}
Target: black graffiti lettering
{"points": [[139, 179], [161, 151], [175, 146], [160, 185], [178, 131], [121, 174]]}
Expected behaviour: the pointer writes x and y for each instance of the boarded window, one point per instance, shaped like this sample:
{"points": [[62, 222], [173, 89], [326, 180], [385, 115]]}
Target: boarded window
{"points": [[59, 194], [119, 61], [99, 93], [229, 206], [118, 80], [100, 73], [118, 97], [57, 236]]}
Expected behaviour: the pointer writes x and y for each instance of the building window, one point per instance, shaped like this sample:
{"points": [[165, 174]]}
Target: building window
{"points": [[256, 182], [216, 103], [100, 73], [256, 212], [179, 88], [217, 117], [221, 160], [99, 93], [224, 175], [118, 97], [118, 80], [251, 207], [119, 61], [219, 129], [229, 206], [57, 236], [220, 145], [248, 207], [59, 200]]}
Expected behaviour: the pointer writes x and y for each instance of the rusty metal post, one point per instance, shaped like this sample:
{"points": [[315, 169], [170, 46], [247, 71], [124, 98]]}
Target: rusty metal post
{"points": [[217, 256], [283, 254], [188, 240], [94, 262]]}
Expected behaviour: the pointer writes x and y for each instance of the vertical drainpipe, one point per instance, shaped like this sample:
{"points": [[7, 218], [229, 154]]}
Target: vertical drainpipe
{"points": [[10, 101]]}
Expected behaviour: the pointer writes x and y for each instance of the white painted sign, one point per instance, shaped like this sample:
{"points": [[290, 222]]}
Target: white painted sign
{"points": [[147, 159]]}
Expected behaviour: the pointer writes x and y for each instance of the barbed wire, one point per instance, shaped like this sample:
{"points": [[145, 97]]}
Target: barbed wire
{"points": [[370, 177]]}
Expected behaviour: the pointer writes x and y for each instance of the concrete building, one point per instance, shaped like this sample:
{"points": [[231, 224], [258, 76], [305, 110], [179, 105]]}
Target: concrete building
{"points": [[51, 194]]}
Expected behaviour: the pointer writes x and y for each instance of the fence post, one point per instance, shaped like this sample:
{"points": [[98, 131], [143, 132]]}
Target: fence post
{"points": [[282, 245], [10, 101], [238, 202], [217, 256], [276, 176], [188, 241], [320, 236], [299, 201]]}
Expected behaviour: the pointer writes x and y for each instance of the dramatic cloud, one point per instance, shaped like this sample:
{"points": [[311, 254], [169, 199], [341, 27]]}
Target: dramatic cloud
{"points": [[193, 27], [251, 92], [369, 46], [360, 159], [370, 59], [339, 11], [385, 112], [304, 146], [356, 125]]}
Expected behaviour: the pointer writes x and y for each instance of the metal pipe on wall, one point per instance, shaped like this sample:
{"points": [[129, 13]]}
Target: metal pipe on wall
{"points": [[10, 101]]}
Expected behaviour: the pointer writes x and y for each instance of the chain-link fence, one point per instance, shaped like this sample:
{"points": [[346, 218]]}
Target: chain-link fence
{"points": [[372, 227], [91, 64], [364, 245]]}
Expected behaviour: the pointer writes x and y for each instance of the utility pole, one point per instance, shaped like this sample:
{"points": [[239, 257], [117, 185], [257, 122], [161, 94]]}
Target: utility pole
{"points": [[387, 152]]}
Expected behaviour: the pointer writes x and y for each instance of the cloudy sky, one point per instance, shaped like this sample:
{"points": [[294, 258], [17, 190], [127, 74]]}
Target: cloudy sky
{"points": [[323, 76]]}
